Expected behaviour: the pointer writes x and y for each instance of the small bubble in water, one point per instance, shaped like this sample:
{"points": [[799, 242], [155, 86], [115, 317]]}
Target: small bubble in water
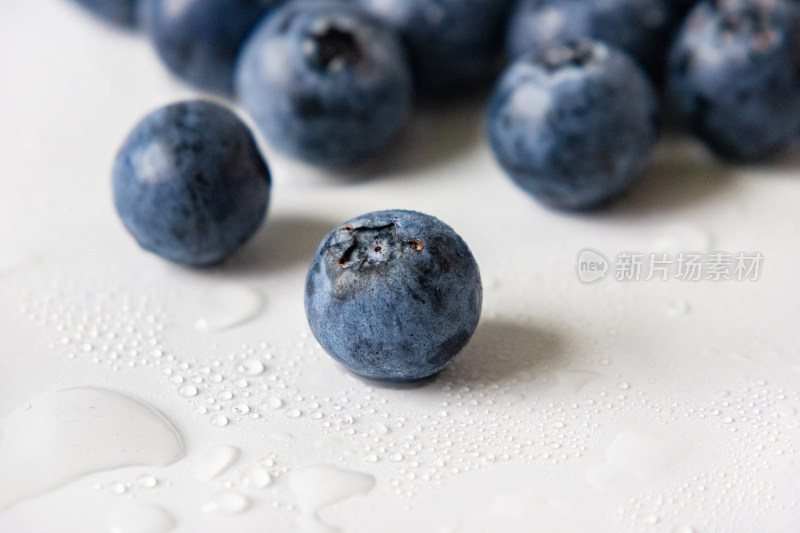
{"points": [[240, 409]]}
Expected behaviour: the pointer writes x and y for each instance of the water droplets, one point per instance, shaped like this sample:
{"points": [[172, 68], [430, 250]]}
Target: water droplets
{"points": [[227, 503], [214, 461], [226, 306]]}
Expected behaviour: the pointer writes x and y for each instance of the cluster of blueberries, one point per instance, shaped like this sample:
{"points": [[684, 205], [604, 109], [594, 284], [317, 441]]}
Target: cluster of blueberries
{"points": [[573, 119]]}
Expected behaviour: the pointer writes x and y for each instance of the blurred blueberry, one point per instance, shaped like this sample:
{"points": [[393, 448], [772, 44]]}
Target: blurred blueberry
{"points": [[190, 184], [119, 12], [393, 295], [640, 27], [734, 75], [574, 124], [325, 82], [453, 44], [199, 40]]}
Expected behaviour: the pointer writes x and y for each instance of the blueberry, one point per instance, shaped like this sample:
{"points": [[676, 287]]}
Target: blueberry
{"points": [[189, 183], [734, 75], [640, 27], [199, 40], [119, 12], [325, 82], [574, 124], [453, 44], [393, 295]]}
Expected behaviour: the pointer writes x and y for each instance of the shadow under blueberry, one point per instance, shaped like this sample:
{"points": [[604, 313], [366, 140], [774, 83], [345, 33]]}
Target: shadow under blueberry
{"points": [[282, 242], [681, 174], [434, 135], [497, 352]]}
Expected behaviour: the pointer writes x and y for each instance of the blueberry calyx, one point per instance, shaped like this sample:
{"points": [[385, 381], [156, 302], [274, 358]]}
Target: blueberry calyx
{"points": [[575, 54], [371, 246], [331, 47]]}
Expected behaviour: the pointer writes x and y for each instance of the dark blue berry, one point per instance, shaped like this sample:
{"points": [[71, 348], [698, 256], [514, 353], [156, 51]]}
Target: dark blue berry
{"points": [[734, 75], [574, 124], [325, 82], [199, 40], [190, 184], [393, 295]]}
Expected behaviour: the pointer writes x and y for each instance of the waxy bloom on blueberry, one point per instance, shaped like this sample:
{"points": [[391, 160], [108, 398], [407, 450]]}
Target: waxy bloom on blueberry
{"points": [[574, 124], [325, 82], [190, 184], [393, 295]]}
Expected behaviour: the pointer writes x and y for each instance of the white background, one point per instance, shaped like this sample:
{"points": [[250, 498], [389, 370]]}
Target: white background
{"points": [[650, 406]]}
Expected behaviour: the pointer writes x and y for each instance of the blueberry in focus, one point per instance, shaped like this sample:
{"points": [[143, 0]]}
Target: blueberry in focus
{"points": [[119, 12], [453, 44], [393, 295], [325, 82], [640, 27], [574, 124], [190, 184], [734, 76], [199, 40]]}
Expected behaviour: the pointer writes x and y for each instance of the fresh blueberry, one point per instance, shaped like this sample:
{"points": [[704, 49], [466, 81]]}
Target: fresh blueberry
{"points": [[681, 7], [453, 44], [199, 40], [190, 184], [640, 27], [325, 82], [734, 75], [119, 12], [574, 124], [393, 295]]}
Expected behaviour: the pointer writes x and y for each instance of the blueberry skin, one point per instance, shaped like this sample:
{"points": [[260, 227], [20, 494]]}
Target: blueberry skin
{"points": [[199, 40], [574, 125], [393, 295], [734, 76], [119, 12], [453, 44], [190, 184], [640, 27], [325, 82]]}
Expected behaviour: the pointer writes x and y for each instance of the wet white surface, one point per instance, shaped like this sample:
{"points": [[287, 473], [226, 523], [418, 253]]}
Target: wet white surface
{"points": [[663, 407]]}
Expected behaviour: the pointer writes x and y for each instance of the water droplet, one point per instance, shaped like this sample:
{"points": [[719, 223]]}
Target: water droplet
{"points": [[317, 487], [251, 367], [638, 454], [227, 306], [679, 308], [229, 503], [188, 391], [293, 413], [275, 403], [214, 461], [62, 436], [219, 420], [117, 488], [678, 238], [240, 409], [146, 481], [136, 518], [684, 529], [257, 478]]}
